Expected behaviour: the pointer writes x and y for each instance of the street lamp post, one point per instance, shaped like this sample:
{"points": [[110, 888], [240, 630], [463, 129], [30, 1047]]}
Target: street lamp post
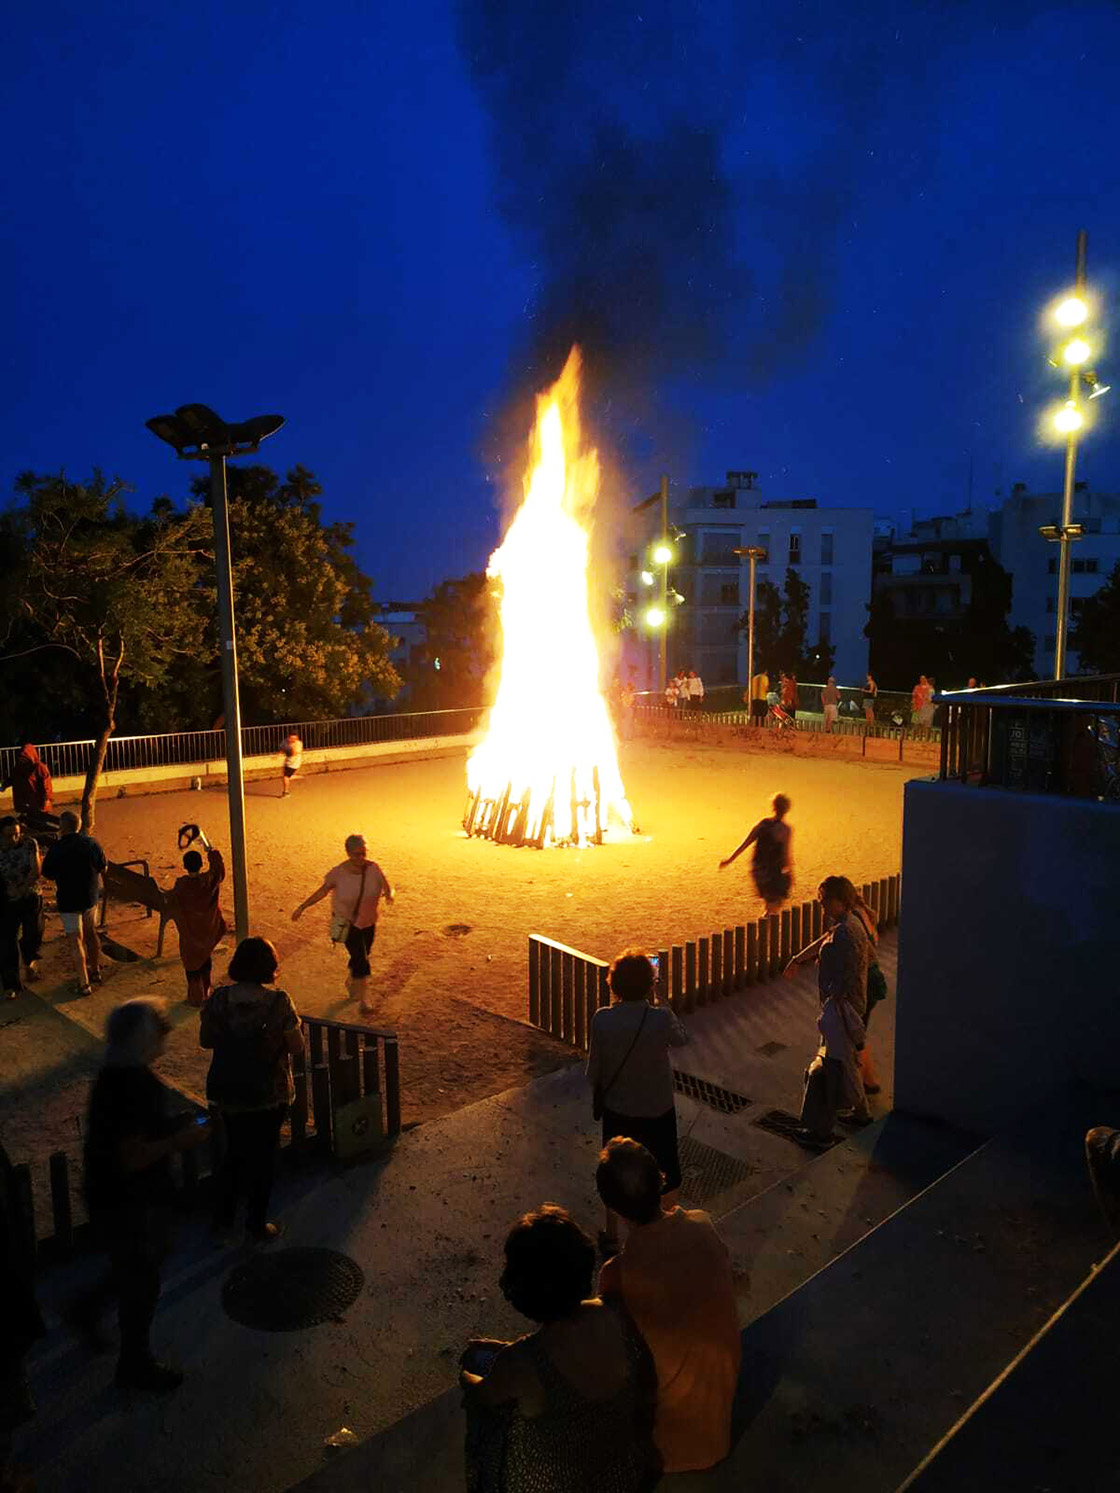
{"points": [[1066, 538], [754, 553], [197, 434]]}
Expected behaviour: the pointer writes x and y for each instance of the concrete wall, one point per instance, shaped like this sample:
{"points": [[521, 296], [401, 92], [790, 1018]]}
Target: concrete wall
{"points": [[1007, 980], [172, 779]]}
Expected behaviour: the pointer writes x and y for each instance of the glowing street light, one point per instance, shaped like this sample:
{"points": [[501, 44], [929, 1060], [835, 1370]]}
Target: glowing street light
{"points": [[662, 554], [655, 617], [1068, 419], [1076, 352], [1073, 311], [647, 578]]}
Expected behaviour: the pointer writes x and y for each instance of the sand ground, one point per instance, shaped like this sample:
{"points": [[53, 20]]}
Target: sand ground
{"points": [[451, 956]]}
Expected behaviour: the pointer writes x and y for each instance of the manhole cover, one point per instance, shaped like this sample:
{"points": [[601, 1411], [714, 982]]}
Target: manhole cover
{"points": [[707, 1174], [285, 1289], [771, 1049], [727, 1101]]}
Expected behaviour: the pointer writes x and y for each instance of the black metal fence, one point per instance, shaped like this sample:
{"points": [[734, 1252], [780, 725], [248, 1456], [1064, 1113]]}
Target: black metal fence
{"points": [[1057, 737], [187, 748]]}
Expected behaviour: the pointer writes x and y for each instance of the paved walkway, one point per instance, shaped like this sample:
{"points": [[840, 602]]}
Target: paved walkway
{"points": [[426, 1225]]}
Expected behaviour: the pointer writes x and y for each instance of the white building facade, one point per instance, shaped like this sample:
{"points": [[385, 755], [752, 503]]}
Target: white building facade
{"points": [[829, 548]]}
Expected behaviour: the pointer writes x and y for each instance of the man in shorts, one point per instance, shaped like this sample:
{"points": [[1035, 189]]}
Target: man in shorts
{"points": [[356, 888], [75, 864], [293, 760]]}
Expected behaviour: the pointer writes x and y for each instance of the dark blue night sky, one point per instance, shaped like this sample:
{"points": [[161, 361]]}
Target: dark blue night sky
{"points": [[811, 240]]}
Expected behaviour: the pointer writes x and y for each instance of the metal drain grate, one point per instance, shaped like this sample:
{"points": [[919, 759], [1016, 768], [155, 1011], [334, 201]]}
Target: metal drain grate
{"points": [[727, 1101], [286, 1289], [771, 1049], [706, 1174]]}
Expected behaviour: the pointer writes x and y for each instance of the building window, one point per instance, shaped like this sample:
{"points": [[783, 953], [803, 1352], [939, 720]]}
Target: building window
{"points": [[724, 499], [729, 593], [825, 633], [795, 549], [1085, 567], [1051, 567], [1076, 604], [826, 589], [763, 542], [1091, 567], [954, 564], [826, 549]]}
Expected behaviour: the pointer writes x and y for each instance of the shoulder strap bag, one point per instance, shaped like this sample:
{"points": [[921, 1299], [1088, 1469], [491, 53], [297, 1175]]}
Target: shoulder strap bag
{"points": [[600, 1091], [340, 927]]}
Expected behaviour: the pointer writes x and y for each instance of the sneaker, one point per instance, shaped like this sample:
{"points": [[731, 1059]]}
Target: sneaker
{"points": [[10, 995], [95, 977], [266, 1235], [148, 1373], [33, 971]]}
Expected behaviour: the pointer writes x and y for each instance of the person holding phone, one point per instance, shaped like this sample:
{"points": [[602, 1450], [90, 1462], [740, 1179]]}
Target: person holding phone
{"points": [[570, 1405], [194, 906], [631, 1073], [132, 1132]]}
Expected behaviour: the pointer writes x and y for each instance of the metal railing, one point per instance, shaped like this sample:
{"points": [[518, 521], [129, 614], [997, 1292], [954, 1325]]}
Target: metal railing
{"points": [[182, 748], [1050, 736], [893, 708], [678, 721]]}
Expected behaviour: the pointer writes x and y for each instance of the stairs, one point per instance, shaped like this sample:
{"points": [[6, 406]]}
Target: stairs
{"points": [[940, 1261]]}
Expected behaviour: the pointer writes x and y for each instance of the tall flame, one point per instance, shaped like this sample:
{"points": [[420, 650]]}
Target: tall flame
{"points": [[547, 771]]}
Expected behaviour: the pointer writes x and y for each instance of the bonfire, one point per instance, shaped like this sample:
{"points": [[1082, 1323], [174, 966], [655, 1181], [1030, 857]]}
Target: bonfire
{"points": [[547, 771]]}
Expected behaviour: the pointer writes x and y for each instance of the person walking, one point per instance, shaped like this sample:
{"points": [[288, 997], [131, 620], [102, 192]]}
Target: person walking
{"points": [[833, 1086], [571, 1405], [132, 1132], [627, 699], [870, 693], [356, 887], [193, 903], [21, 906], [760, 688], [772, 863], [293, 761], [254, 1032], [673, 1276], [789, 695], [30, 782], [695, 690], [631, 1074], [919, 702], [75, 863], [830, 700]]}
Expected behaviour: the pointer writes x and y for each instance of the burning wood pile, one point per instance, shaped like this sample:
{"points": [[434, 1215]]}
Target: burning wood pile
{"points": [[547, 771]]}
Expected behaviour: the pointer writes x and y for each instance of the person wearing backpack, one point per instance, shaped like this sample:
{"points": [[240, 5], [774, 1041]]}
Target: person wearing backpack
{"points": [[254, 1031]]}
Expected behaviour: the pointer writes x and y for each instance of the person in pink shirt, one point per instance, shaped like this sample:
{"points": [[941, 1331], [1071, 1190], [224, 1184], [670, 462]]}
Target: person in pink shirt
{"points": [[674, 1277], [356, 887]]}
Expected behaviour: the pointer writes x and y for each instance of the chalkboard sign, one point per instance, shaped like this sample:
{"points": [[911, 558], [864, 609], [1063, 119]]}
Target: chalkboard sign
{"points": [[1027, 749]]}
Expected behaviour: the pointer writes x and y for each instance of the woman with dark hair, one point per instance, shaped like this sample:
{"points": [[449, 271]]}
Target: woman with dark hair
{"points": [[833, 1086], [631, 1074], [254, 1032], [571, 1405], [772, 866]]}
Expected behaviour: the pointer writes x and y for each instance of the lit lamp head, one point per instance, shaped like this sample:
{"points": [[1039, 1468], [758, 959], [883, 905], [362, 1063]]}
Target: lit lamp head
{"points": [[655, 617], [1069, 419], [1071, 312], [662, 554], [1076, 352], [647, 578]]}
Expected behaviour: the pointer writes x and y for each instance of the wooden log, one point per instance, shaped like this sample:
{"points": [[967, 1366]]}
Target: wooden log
{"points": [[392, 1087], [775, 936], [61, 1211], [567, 998], [598, 807], [534, 981], [740, 956], [715, 978], [689, 976], [703, 973], [677, 989], [545, 981], [728, 961], [663, 975], [818, 921], [751, 972], [786, 935], [351, 1070], [795, 944]]}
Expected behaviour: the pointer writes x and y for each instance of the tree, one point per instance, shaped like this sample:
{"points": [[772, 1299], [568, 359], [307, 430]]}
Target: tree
{"points": [[781, 625], [1095, 634], [451, 667], [114, 593]]}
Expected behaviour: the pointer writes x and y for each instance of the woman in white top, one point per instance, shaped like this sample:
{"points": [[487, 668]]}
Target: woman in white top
{"points": [[356, 887]]}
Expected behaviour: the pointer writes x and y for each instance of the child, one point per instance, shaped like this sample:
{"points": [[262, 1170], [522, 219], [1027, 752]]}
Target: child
{"points": [[293, 757]]}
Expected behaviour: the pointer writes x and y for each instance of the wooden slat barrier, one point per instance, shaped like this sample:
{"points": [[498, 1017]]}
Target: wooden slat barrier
{"points": [[566, 986]]}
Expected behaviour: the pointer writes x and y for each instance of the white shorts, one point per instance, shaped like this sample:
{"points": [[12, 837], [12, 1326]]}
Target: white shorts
{"points": [[72, 921]]}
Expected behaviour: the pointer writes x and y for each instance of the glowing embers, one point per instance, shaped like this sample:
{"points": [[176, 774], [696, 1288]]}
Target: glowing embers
{"points": [[547, 771]]}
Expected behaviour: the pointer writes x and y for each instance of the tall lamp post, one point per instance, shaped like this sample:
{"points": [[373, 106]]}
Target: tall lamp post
{"points": [[1071, 315], [198, 434], [754, 554]]}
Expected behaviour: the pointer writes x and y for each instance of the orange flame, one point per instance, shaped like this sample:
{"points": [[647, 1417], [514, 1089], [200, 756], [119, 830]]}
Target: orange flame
{"points": [[547, 771]]}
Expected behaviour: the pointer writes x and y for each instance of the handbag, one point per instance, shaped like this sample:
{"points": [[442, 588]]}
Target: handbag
{"points": [[876, 986], [340, 927], [599, 1092]]}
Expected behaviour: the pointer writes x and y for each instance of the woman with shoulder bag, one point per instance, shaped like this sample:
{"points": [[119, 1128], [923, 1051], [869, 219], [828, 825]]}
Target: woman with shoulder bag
{"points": [[356, 888], [254, 1032], [631, 1074]]}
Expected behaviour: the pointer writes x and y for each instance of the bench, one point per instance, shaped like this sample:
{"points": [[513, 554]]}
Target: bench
{"points": [[124, 884]]}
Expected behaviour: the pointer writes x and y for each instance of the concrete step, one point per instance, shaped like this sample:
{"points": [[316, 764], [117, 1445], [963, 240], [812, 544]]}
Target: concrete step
{"points": [[1046, 1422], [850, 1380]]}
